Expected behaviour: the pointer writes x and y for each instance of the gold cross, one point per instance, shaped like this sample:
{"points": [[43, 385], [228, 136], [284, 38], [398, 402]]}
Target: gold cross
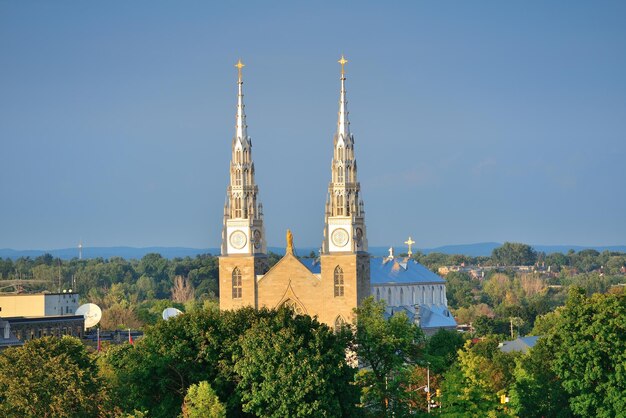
{"points": [[343, 62], [409, 242], [239, 66]]}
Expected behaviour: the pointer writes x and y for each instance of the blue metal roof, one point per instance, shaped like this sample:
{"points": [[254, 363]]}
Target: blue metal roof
{"points": [[402, 271], [428, 316], [385, 270], [313, 264]]}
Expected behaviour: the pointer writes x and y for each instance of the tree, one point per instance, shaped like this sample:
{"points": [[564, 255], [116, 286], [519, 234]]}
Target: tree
{"points": [[182, 290], [514, 254], [589, 347], [472, 388], [441, 349], [386, 347], [202, 402], [459, 289], [537, 391], [50, 377], [291, 365]]}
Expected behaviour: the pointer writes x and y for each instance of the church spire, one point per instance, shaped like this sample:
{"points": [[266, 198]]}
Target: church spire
{"points": [[343, 124], [241, 127], [243, 214], [344, 213]]}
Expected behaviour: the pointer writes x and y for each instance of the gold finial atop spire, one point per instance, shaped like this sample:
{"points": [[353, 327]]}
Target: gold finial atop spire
{"points": [[343, 62], [409, 242], [239, 66], [289, 242]]}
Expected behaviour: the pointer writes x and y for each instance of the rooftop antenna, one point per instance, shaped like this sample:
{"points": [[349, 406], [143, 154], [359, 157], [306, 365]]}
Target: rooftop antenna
{"points": [[80, 249]]}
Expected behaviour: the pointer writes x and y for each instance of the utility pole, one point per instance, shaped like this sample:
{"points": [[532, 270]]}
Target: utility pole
{"points": [[428, 385]]}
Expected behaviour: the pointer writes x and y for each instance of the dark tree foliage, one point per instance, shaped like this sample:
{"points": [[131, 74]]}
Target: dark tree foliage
{"points": [[293, 366], [589, 349], [514, 254], [51, 377], [220, 348], [441, 349]]}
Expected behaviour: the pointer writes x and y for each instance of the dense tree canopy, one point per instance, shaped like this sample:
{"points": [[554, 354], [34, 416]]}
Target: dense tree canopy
{"points": [[50, 377], [589, 348]]}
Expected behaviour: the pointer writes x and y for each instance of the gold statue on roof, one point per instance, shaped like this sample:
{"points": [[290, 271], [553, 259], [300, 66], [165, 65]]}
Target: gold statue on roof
{"points": [[289, 242]]}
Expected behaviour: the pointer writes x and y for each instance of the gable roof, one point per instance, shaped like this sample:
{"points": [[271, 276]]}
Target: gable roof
{"points": [[385, 270], [289, 257], [522, 344], [401, 271]]}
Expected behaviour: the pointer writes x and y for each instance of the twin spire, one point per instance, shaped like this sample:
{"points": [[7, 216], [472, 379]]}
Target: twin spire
{"points": [[344, 200], [343, 124]]}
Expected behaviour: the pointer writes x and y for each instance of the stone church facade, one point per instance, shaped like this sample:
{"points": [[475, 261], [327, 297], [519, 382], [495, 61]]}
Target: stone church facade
{"points": [[340, 281]]}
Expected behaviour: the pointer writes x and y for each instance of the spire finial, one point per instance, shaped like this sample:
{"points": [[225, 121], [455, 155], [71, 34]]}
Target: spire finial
{"points": [[239, 66], [409, 242], [343, 61], [241, 114], [343, 125]]}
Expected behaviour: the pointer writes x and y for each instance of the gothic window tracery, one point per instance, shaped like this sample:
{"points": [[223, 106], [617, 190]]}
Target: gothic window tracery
{"points": [[294, 306], [338, 280], [339, 323], [237, 284]]}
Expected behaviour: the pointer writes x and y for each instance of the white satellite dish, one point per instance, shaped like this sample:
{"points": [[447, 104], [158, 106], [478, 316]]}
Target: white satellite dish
{"points": [[170, 313], [91, 312]]}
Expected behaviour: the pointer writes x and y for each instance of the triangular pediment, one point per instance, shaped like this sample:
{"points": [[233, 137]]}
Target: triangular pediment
{"points": [[294, 266]]}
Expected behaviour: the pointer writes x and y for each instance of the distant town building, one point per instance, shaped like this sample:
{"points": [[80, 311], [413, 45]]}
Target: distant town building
{"points": [[30, 316], [38, 304], [521, 344]]}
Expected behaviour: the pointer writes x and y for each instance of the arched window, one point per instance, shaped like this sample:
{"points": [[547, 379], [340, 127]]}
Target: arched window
{"points": [[238, 178], [340, 153], [401, 296], [340, 171], [389, 296], [432, 295], [377, 294], [237, 285], [338, 281], [413, 296], [238, 156], [339, 323]]}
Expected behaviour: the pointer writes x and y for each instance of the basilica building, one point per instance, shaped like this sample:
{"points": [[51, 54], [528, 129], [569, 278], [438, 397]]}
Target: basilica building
{"points": [[331, 286]]}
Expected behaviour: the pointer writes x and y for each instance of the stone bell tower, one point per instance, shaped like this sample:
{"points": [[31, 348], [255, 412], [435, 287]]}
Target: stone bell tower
{"points": [[243, 236], [344, 260]]}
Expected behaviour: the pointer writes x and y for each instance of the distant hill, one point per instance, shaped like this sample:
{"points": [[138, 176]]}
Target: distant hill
{"points": [[474, 250]]}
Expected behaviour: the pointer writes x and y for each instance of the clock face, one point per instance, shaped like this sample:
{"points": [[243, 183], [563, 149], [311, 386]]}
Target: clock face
{"points": [[257, 238], [238, 239], [340, 237]]}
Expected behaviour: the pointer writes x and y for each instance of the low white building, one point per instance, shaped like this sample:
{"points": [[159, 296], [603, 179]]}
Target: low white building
{"points": [[407, 285]]}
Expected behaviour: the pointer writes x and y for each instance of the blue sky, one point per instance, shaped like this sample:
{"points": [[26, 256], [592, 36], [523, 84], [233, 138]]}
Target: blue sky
{"points": [[474, 121]]}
